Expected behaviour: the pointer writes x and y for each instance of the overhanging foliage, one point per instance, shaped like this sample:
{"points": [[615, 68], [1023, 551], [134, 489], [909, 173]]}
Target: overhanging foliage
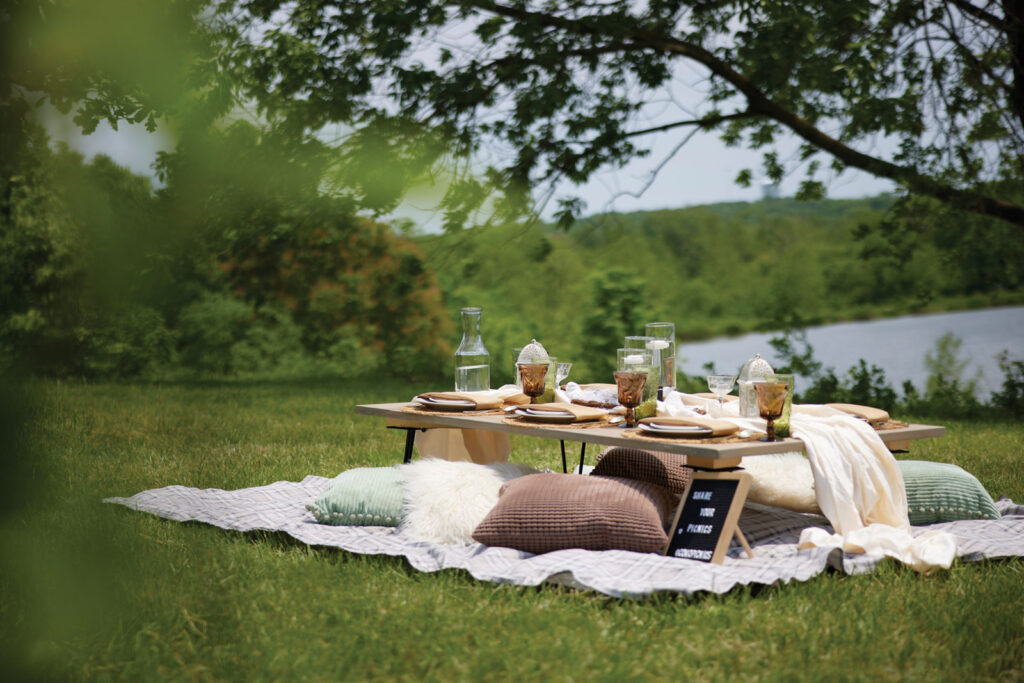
{"points": [[555, 90]]}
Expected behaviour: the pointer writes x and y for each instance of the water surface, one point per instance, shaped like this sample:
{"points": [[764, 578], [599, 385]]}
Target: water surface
{"points": [[897, 345]]}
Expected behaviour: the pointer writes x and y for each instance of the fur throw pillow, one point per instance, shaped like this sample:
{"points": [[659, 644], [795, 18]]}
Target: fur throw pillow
{"points": [[444, 501]]}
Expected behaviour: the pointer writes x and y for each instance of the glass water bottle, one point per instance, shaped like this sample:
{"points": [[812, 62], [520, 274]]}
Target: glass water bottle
{"points": [[472, 361]]}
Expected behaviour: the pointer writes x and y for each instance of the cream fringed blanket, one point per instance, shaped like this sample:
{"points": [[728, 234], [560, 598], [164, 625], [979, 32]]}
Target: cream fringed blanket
{"points": [[857, 483]]}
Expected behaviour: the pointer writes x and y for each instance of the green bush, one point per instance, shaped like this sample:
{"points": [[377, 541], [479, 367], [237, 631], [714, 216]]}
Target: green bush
{"points": [[616, 310], [209, 328], [946, 393], [1010, 397], [136, 342]]}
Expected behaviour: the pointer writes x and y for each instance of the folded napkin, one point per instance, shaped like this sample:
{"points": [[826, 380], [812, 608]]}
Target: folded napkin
{"points": [[593, 395], [717, 427], [872, 415], [579, 413], [482, 401]]}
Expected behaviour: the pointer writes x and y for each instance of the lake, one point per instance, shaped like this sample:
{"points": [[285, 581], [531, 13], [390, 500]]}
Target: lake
{"points": [[897, 345]]}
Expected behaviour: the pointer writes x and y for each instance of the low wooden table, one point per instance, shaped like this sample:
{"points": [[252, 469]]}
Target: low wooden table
{"points": [[707, 518], [711, 456]]}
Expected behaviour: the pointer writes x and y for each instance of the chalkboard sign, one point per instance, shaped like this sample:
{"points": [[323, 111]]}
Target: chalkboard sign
{"points": [[707, 517]]}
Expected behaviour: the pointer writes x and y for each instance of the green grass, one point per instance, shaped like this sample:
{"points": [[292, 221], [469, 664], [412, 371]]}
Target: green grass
{"points": [[93, 591]]}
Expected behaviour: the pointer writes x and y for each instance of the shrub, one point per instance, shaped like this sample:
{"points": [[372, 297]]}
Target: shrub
{"points": [[209, 328], [616, 311], [946, 393], [1010, 397]]}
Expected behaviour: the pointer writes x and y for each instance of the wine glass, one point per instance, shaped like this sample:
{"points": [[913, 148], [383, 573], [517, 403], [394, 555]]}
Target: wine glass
{"points": [[561, 373], [631, 387], [720, 386], [771, 398], [532, 376]]}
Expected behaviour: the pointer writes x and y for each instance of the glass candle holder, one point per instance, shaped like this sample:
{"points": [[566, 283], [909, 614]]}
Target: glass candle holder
{"points": [[516, 350], [635, 359], [663, 340], [549, 381], [782, 424]]}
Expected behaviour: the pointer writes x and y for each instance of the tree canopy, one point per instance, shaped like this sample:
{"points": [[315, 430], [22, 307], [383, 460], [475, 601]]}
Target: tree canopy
{"points": [[556, 89], [509, 95]]}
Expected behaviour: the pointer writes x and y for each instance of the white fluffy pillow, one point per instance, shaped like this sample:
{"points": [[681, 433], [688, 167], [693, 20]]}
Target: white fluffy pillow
{"points": [[783, 480], [446, 500]]}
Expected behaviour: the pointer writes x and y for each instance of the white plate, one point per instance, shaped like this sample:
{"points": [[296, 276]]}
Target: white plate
{"points": [[444, 403], [545, 415], [677, 430]]}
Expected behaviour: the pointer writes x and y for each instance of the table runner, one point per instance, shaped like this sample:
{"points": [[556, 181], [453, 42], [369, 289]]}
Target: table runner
{"points": [[772, 532]]}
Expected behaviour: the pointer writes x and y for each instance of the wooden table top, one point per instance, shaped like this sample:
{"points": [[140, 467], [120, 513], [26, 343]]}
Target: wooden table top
{"points": [[701, 454]]}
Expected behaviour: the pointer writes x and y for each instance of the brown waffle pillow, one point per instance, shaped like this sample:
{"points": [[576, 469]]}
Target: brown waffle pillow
{"points": [[664, 469], [539, 513]]}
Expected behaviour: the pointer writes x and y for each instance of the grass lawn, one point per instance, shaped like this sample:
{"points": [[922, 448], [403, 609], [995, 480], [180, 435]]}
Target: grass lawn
{"points": [[93, 591]]}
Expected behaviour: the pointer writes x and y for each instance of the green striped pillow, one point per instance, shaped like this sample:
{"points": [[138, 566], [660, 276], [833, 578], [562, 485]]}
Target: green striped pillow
{"points": [[364, 496], [940, 492]]}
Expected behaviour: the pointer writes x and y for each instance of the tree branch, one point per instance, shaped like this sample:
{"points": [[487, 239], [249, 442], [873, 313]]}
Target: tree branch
{"points": [[981, 14], [706, 122], [760, 103], [1015, 37]]}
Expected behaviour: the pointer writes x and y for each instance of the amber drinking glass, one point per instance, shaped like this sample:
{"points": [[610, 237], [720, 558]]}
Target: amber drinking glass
{"points": [[771, 398], [532, 376], [631, 390]]}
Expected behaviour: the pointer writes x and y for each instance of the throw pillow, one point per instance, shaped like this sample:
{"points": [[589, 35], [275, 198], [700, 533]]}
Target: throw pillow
{"points": [[936, 491], [445, 500], [664, 469], [544, 512], [782, 480], [941, 492], [364, 496]]}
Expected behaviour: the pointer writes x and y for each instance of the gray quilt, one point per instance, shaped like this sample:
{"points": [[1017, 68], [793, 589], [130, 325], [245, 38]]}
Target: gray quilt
{"points": [[772, 533]]}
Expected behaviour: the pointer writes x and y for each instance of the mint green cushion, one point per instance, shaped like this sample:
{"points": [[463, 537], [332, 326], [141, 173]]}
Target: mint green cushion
{"points": [[940, 492], [364, 496]]}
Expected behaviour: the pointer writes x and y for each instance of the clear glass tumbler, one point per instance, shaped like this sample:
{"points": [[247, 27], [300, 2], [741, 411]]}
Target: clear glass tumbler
{"points": [[663, 340]]}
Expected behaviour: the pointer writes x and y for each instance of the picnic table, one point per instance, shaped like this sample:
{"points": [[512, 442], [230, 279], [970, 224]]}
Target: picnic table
{"points": [[709, 454]]}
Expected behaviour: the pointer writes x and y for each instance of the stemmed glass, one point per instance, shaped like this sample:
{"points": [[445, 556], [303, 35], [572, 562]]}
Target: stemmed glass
{"points": [[561, 373], [532, 375], [631, 388], [771, 398], [720, 386]]}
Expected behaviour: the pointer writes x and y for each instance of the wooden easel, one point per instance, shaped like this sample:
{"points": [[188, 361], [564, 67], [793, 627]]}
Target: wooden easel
{"points": [[708, 516]]}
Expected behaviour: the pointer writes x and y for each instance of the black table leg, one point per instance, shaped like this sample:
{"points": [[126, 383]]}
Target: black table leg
{"points": [[410, 441], [583, 453], [565, 468]]}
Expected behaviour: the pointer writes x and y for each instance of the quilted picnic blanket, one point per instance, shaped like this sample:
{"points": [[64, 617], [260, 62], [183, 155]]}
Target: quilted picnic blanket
{"points": [[772, 533]]}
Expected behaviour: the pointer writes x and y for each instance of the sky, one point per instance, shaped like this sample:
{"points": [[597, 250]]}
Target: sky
{"points": [[701, 172]]}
